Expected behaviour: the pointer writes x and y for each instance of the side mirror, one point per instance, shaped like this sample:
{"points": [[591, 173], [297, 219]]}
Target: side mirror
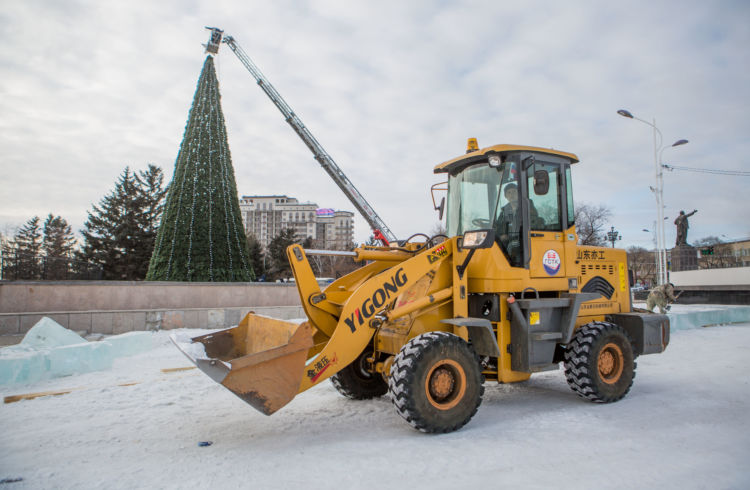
{"points": [[441, 207], [541, 182], [477, 239]]}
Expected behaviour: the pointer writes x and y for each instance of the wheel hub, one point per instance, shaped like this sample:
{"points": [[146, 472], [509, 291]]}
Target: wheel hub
{"points": [[362, 366], [445, 384], [441, 384], [610, 363]]}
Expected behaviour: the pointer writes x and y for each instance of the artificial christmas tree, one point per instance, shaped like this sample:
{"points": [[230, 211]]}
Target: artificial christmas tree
{"points": [[201, 237]]}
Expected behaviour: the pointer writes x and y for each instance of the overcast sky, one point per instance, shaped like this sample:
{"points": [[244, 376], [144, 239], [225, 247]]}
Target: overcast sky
{"points": [[390, 89]]}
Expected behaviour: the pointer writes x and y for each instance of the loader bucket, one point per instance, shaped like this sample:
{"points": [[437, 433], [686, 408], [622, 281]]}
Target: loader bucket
{"points": [[261, 360]]}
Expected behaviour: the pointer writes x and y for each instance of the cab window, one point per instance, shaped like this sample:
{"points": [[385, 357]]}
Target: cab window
{"points": [[472, 195], [544, 209], [569, 193], [508, 219]]}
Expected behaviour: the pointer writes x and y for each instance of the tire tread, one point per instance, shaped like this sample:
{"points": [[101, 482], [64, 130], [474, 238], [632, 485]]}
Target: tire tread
{"points": [[578, 362], [404, 370]]}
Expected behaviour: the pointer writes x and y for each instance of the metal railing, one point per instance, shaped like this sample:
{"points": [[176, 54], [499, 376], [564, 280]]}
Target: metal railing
{"points": [[20, 267]]}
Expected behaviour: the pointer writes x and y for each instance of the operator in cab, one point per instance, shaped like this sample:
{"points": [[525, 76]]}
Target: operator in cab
{"points": [[509, 220], [508, 224]]}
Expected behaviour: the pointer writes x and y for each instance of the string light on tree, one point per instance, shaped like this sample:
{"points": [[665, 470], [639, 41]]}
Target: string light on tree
{"points": [[201, 237]]}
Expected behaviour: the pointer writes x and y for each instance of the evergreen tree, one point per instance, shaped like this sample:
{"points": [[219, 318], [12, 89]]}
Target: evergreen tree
{"points": [[280, 268], [21, 258], [257, 256], [201, 237], [27, 245], [150, 184], [7, 268], [109, 227], [119, 234], [58, 245], [58, 240], [28, 239]]}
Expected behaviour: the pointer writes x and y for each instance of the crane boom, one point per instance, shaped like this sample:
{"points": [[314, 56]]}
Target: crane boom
{"points": [[380, 229]]}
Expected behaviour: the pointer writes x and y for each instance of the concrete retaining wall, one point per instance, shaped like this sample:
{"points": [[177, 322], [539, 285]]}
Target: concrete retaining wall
{"points": [[729, 286], [729, 278], [113, 307], [117, 322], [45, 296], [713, 295]]}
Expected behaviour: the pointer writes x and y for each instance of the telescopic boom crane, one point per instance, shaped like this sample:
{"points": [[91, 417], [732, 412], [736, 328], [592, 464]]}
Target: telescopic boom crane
{"points": [[380, 229]]}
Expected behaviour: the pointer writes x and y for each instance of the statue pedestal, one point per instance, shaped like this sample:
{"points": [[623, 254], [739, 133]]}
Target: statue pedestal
{"points": [[684, 258]]}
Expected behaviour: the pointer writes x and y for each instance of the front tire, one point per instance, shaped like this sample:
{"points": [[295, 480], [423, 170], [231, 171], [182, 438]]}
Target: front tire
{"points": [[436, 382], [599, 362], [357, 383]]}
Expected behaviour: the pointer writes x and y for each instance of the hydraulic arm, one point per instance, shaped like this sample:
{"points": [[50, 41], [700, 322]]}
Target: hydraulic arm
{"points": [[380, 229]]}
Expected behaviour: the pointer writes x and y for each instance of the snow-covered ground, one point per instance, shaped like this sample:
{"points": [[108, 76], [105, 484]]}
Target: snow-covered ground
{"points": [[685, 424]]}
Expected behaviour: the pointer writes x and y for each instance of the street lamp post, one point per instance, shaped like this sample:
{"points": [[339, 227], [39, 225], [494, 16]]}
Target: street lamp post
{"points": [[613, 235], [656, 251], [661, 263], [663, 251]]}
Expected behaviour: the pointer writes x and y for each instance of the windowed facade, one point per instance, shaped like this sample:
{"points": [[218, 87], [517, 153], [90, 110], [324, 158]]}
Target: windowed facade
{"points": [[266, 216]]}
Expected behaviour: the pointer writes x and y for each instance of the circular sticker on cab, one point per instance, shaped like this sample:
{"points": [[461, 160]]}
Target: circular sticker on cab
{"points": [[551, 262]]}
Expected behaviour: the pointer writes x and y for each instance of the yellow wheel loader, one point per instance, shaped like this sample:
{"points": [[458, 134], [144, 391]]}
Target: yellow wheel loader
{"points": [[507, 293]]}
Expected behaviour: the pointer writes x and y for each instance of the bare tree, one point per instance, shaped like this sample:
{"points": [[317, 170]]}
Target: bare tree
{"points": [[341, 266], [438, 229], [715, 253], [591, 221], [643, 264]]}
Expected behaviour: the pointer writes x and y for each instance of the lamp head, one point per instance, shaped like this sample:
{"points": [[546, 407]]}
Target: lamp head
{"points": [[625, 113]]}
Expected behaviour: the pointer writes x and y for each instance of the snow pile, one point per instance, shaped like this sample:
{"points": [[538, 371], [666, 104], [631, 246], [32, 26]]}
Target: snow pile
{"points": [[49, 350], [184, 341], [146, 423]]}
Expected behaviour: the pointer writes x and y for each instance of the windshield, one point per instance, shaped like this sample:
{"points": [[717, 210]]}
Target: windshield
{"points": [[473, 196]]}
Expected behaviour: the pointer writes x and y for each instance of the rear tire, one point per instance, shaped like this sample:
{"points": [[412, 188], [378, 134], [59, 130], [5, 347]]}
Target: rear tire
{"points": [[357, 383], [436, 382], [599, 362]]}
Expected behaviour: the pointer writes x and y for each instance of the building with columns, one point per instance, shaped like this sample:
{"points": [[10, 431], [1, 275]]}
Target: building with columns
{"points": [[266, 216]]}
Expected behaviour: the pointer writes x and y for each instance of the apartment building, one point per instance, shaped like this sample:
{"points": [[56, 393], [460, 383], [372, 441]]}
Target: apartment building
{"points": [[334, 229], [727, 254], [266, 216]]}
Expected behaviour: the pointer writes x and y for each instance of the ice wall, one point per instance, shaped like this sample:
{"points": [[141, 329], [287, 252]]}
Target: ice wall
{"points": [[709, 315], [49, 350], [49, 333]]}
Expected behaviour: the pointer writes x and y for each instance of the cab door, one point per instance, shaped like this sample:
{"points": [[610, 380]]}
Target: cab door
{"points": [[546, 237]]}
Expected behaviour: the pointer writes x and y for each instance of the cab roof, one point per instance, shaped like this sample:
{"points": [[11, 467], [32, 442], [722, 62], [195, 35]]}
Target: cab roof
{"points": [[478, 155]]}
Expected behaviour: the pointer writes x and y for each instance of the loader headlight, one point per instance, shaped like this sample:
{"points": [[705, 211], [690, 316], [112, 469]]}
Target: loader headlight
{"points": [[477, 239]]}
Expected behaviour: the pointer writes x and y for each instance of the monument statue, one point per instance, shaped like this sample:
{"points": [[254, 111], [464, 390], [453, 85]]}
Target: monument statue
{"points": [[682, 227]]}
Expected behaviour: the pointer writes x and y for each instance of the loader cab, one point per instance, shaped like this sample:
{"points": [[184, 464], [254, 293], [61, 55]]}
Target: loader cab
{"points": [[522, 193]]}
